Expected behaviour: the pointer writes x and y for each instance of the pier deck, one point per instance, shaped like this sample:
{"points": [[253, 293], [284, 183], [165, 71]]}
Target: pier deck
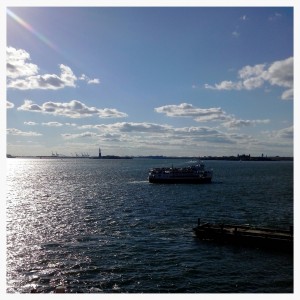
{"points": [[258, 237]]}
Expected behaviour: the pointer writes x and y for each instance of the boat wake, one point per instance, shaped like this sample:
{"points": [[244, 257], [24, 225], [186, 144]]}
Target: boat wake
{"points": [[138, 181]]}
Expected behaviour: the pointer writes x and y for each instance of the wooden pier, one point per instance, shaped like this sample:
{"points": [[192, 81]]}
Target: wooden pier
{"points": [[272, 239]]}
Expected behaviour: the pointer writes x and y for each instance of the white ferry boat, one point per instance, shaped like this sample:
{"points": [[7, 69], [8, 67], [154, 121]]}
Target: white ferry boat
{"points": [[192, 174]]}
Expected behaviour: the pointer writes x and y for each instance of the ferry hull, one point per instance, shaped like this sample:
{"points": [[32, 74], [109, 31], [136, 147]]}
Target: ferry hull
{"points": [[180, 180], [192, 174]]}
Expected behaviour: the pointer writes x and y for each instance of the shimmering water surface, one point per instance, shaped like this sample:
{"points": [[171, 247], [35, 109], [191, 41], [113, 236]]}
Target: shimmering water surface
{"points": [[98, 226]]}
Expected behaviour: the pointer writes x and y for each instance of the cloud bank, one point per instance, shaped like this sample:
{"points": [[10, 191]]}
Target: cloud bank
{"points": [[159, 138], [14, 131], [206, 114], [188, 110], [23, 75], [72, 109], [279, 73]]}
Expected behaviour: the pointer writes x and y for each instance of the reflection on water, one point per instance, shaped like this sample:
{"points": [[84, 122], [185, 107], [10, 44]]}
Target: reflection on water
{"points": [[99, 226]]}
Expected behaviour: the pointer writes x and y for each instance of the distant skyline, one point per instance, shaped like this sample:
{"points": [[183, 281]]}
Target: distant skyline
{"points": [[173, 81]]}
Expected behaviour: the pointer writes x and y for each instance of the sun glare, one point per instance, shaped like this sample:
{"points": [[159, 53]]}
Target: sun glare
{"points": [[27, 26]]}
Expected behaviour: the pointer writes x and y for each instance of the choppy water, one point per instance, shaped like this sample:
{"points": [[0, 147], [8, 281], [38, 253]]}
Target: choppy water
{"points": [[98, 226]]}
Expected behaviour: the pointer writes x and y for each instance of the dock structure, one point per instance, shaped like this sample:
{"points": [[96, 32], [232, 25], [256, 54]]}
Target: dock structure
{"points": [[272, 239]]}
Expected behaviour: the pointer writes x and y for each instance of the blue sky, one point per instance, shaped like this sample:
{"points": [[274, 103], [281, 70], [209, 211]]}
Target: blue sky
{"points": [[150, 81]]}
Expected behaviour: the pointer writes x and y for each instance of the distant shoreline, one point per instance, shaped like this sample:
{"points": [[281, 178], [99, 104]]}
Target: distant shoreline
{"points": [[227, 158], [230, 158]]}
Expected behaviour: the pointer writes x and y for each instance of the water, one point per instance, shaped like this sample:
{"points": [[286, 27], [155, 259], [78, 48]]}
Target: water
{"points": [[98, 226]]}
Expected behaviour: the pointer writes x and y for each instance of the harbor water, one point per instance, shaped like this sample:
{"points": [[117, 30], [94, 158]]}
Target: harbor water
{"points": [[99, 226]]}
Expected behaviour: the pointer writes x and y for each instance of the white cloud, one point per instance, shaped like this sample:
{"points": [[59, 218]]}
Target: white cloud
{"points": [[253, 83], [30, 123], [52, 124], [94, 81], [89, 80], [225, 85], [78, 135], [23, 75], [46, 81], [188, 110], [14, 131], [282, 137], [288, 94], [207, 114], [112, 137], [87, 126], [249, 71], [111, 113], [235, 34], [286, 133], [164, 134], [279, 73], [244, 18], [153, 138], [18, 64], [71, 124], [72, 109], [9, 104], [67, 75], [234, 123], [132, 127]]}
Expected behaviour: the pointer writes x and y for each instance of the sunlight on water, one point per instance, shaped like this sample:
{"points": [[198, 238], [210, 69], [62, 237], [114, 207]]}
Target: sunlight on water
{"points": [[99, 226]]}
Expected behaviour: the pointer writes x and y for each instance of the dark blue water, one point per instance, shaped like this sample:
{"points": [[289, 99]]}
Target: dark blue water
{"points": [[98, 226]]}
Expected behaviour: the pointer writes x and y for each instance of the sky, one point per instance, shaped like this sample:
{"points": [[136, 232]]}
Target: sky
{"points": [[183, 81]]}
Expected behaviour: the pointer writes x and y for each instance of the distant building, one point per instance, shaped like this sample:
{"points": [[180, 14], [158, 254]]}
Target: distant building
{"points": [[244, 157]]}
